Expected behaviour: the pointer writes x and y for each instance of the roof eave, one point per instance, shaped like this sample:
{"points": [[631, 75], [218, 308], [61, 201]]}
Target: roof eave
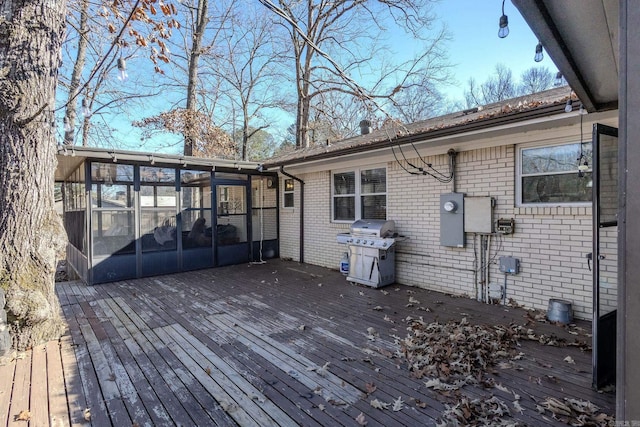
{"points": [[432, 134]]}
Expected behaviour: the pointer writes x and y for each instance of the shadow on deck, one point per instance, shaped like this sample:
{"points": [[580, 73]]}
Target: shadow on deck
{"points": [[274, 344]]}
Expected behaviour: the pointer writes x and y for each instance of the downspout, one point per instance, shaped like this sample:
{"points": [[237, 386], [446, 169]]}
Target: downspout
{"points": [[288, 175]]}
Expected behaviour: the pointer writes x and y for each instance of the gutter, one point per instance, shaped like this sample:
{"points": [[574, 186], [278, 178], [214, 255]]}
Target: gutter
{"points": [[288, 175]]}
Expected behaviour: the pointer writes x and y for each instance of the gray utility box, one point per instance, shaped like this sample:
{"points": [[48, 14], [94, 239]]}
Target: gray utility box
{"points": [[452, 219], [478, 217], [509, 264]]}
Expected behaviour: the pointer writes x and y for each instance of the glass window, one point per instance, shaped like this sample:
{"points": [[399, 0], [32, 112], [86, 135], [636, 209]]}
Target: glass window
{"points": [[370, 189], [113, 232], [111, 195], [288, 193], [549, 174], [111, 172], [158, 229], [155, 174]]}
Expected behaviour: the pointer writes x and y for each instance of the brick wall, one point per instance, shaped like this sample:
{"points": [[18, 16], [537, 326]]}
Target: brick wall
{"points": [[550, 242]]}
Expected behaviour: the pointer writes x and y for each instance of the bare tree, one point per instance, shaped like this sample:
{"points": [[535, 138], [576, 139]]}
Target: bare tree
{"points": [[535, 79], [497, 87], [200, 23], [330, 40], [94, 39], [419, 101], [247, 63]]}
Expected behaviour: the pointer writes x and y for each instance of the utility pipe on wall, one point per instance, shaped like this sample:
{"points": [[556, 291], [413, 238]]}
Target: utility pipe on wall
{"points": [[287, 174]]}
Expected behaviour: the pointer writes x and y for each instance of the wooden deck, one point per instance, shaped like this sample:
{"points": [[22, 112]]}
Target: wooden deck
{"points": [[273, 344]]}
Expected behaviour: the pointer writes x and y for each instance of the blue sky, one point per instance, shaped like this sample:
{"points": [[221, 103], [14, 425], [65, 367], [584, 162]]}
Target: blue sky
{"points": [[474, 51], [475, 47]]}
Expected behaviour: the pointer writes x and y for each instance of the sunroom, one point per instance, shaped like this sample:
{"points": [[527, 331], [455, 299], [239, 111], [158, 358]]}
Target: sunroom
{"points": [[131, 214]]}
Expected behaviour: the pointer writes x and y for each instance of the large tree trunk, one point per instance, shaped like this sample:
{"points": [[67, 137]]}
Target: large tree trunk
{"points": [[31, 234]]}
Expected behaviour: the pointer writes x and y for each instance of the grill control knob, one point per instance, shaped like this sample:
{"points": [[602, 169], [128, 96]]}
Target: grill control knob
{"points": [[371, 243], [364, 242], [358, 241], [384, 244]]}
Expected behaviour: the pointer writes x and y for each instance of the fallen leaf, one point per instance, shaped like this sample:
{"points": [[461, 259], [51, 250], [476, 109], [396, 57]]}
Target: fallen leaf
{"points": [[208, 370], [302, 327], [378, 308], [370, 387], [360, 419], [378, 404], [24, 415], [321, 407], [412, 300], [517, 407], [502, 388], [398, 404], [87, 414]]}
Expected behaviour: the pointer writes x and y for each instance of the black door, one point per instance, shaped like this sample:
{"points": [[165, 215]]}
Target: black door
{"points": [[233, 230], [605, 256]]}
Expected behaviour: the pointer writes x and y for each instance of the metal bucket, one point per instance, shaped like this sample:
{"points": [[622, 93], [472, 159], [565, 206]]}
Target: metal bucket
{"points": [[560, 311]]}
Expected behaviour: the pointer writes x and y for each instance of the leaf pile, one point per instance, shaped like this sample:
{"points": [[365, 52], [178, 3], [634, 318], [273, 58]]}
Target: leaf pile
{"points": [[575, 412], [455, 352], [477, 412]]}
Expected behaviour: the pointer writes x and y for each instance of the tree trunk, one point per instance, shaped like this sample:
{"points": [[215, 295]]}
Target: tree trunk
{"points": [[194, 58], [78, 68], [31, 234]]}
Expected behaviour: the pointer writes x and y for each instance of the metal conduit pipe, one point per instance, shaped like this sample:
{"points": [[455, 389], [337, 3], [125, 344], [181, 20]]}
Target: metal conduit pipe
{"points": [[288, 175]]}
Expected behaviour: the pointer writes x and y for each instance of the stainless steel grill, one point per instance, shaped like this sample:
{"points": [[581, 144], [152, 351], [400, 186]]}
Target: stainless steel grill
{"points": [[372, 257]]}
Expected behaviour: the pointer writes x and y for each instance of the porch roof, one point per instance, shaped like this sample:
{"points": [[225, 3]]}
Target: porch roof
{"points": [[70, 157], [582, 38]]}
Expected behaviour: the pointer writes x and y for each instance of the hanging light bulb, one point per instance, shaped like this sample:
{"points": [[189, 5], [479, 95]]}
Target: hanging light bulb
{"points": [[67, 125], [86, 111], [122, 69], [558, 80], [504, 24], [584, 166], [539, 55], [569, 107]]}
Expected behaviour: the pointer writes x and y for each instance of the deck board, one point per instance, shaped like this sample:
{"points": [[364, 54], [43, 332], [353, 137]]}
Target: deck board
{"points": [[7, 371], [244, 345], [39, 398]]}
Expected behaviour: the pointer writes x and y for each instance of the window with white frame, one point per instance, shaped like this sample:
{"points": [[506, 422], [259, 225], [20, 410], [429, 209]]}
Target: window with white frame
{"points": [[359, 194], [287, 194], [549, 174]]}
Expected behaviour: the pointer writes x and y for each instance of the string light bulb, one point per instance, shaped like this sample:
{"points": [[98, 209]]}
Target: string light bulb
{"points": [[558, 80], [504, 24], [539, 56], [122, 69], [569, 107], [67, 125]]}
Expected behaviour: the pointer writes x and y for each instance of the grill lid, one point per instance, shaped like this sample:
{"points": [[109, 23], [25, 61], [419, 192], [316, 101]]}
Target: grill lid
{"points": [[373, 228]]}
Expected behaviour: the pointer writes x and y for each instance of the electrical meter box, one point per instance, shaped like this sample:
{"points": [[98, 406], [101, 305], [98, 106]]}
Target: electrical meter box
{"points": [[478, 217], [509, 265], [452, 220]]}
